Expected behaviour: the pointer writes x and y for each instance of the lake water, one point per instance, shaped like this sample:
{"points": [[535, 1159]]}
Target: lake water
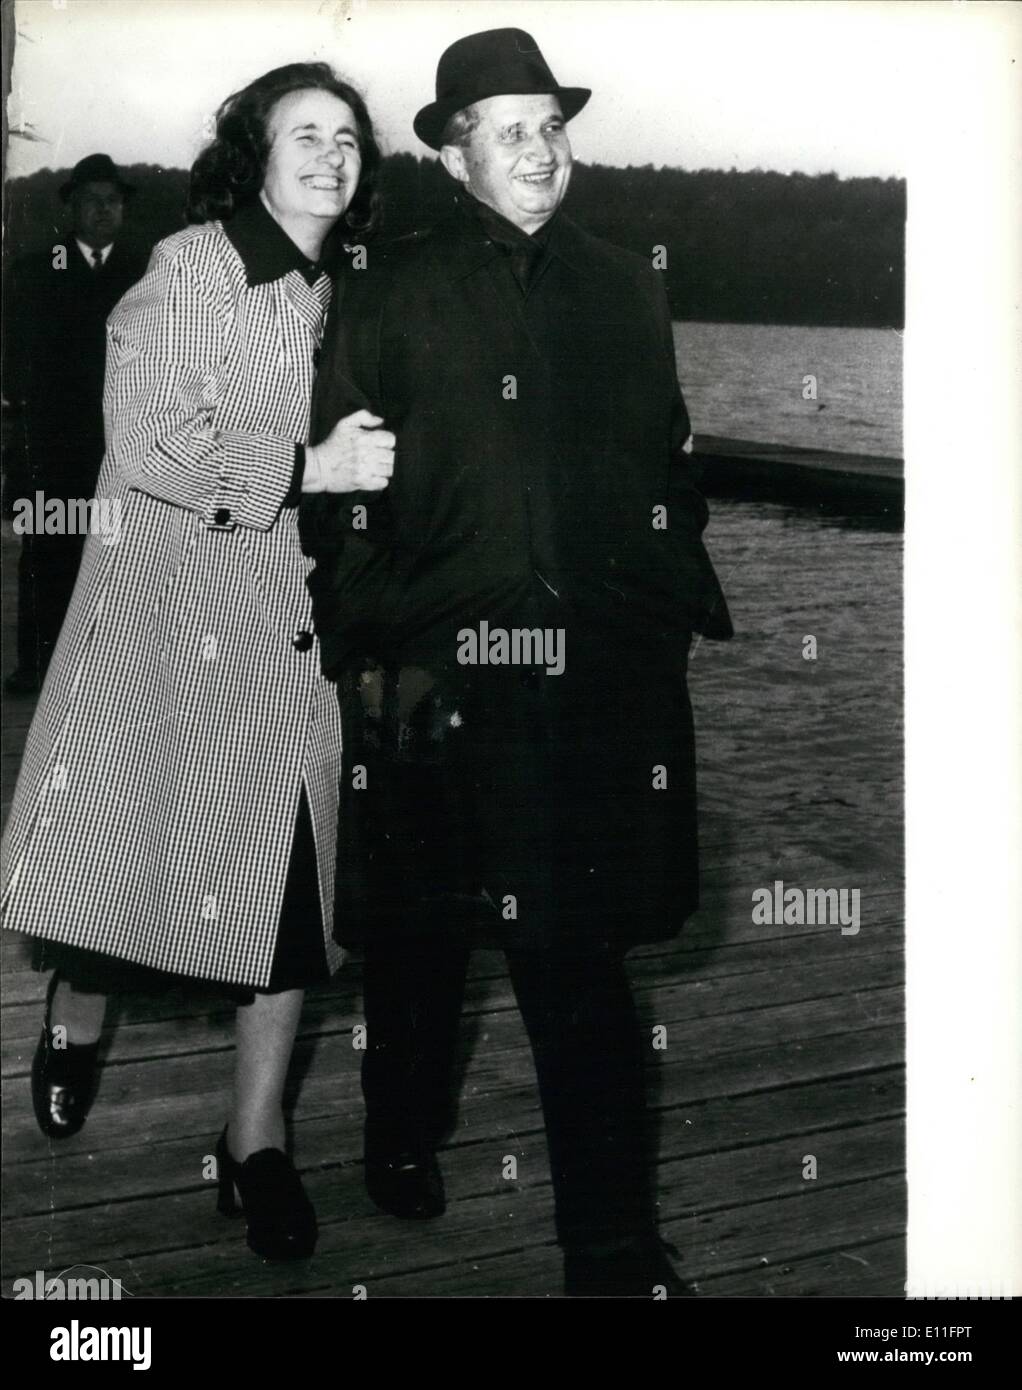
{"points": [[745, 381]]}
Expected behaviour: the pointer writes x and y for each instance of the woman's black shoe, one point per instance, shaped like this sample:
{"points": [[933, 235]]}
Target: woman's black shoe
{"points": [[63, 1079], [638, 1269], [409, 1185], [281, 1219]]}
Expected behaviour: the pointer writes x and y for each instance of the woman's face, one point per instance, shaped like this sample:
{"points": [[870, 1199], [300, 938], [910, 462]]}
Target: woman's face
{"points": [[315, 161]]}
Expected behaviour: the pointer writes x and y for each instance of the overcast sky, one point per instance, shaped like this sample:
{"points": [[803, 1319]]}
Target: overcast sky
{"points": [[693, 83]]}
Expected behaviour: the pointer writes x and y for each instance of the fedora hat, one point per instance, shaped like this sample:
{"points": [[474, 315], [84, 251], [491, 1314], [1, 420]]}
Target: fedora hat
{"points": [[497, 62], [94, 168]]}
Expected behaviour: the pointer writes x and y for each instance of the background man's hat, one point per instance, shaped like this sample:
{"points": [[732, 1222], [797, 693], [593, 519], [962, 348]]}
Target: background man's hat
{"points": [[497, 62], [94, 168]]}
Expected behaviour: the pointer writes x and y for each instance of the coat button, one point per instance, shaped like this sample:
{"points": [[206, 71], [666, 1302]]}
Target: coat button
{"points": [[221, 516], [302, 640]]}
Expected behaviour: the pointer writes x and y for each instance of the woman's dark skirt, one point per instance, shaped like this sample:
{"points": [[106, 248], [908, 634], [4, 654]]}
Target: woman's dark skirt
{"points": [[299, 959]]}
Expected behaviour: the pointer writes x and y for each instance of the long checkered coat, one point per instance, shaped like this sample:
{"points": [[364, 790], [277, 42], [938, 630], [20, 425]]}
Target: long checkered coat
{"points": [[184, 708]]}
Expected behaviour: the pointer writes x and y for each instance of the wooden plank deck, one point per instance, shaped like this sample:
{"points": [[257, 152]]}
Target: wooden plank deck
{"points": [[782, 1041]]}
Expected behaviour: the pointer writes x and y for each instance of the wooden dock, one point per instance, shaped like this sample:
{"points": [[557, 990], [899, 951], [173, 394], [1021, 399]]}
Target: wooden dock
{"points": [[854, 484], [783, 1042]]}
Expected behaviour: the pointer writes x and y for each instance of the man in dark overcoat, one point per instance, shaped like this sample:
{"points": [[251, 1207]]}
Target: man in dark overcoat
{"points": [[510, 621], [57, 303]]}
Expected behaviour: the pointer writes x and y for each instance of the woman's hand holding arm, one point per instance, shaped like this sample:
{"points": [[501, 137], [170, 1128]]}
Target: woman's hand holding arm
{"points": [[356, 456]]}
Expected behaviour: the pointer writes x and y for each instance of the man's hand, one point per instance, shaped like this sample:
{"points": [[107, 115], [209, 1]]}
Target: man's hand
{"points": [[356, 456]]}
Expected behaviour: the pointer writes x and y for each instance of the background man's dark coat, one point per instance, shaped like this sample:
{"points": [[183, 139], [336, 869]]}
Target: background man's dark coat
{"points": [[535, 436], [54, 356]]}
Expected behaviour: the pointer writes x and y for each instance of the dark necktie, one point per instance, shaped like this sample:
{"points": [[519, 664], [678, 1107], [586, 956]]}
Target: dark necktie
{"points": [[97, 260], [525, 253], [525, 259]]}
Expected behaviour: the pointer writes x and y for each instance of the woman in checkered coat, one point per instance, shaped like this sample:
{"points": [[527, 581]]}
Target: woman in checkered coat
{"points": [[177, 803]]}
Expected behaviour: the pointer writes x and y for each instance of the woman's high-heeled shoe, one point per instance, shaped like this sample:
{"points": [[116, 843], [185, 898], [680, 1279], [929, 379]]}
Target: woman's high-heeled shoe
{"points": [[281, 1220], [63, 1079]]}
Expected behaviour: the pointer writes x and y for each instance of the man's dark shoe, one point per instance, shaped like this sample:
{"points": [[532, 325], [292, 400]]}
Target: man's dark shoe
{"points": [[639, 1269], [406, 1184]]}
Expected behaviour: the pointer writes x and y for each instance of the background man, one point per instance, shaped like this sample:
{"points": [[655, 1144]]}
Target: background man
{"points": [[57, 302], [527, 370]]}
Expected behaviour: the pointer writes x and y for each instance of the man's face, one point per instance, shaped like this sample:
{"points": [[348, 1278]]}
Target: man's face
{"points": [[98, 212], [315, 161], [518, 159]]}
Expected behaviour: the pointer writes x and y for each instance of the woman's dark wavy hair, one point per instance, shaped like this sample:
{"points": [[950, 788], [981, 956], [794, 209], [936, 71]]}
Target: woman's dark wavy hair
{"points": [[230, 172]]}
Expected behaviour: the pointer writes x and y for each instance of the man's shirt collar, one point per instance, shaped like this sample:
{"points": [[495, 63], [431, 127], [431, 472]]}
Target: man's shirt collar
{"points": [[87, 252], [559, 236], [497, 227], [266, 250]]}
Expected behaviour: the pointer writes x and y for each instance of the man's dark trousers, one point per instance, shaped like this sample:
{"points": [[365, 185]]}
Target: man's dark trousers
{"points": [[588, 1062], [571, 988]]}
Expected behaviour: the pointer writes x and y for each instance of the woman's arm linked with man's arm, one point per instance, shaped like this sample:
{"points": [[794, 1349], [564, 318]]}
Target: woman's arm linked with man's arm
{"points": [[346, 527], [168, 355]]}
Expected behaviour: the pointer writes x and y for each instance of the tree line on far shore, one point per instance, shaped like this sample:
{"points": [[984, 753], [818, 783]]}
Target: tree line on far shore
{"points": [[755, 247]]}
